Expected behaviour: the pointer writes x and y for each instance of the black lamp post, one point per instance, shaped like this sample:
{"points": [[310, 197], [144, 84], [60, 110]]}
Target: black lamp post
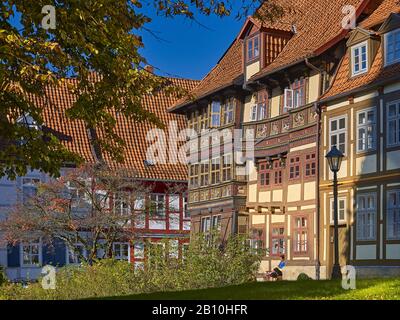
{"points": [[334, 158]]}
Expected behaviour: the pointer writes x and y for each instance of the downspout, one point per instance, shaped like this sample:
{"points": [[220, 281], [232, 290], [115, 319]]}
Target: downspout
{"points": [[318, 111], [318, 200]]}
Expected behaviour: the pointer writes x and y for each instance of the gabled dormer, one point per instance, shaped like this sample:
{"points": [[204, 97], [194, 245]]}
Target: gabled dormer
{"points": [[363, 46], [390, 31], [261, 45]]}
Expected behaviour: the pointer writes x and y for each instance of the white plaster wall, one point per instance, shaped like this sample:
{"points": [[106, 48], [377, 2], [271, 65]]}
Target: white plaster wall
{"points": [[309, 190], [277, 195], [275, 102], [365, 165], [258, 219], [252, 194], [314, 87], [294, 192], [252, 69]]}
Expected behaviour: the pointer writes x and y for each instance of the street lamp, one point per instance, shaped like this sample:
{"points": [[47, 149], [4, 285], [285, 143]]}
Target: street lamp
{"points": [[334, 158]]}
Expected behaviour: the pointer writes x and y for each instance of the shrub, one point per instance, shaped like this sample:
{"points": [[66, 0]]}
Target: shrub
{"points": [[206, 265], [303, 277], [3, 278]]}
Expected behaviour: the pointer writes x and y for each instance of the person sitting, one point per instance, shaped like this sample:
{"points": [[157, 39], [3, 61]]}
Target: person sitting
{"points": [[277, 272]]}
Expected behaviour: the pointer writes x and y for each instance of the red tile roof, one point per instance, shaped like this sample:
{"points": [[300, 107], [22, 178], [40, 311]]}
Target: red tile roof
{"points": [[381, 13], [318, 23], [59, 99], [343, 83]]}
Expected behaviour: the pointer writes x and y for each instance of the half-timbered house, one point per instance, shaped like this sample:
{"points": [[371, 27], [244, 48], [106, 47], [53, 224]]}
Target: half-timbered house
{"points": [[277, 72], [167, 183], [361, 116]]}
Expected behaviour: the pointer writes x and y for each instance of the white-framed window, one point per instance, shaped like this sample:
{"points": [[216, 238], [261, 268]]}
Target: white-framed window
{"points": [[138, 250], [122, 204], [29, 188], [139, 203], [366, 216], [295, 96], [75, 193], [158, 205], [262, 111], [341, 210], [253, 113], [121, 251], [139, 215], [31, 253], [258, 112], [359, 58], [174, 203], [392, 47], [216, 222], [393, 123], [205, 224], [393, 215], [288, 99], [228, 112], [253, 50], [186, 212], [215, 170], [366, 130], [102, 199], [338, 133], [173, 249], [215, 114], [74, 255]]}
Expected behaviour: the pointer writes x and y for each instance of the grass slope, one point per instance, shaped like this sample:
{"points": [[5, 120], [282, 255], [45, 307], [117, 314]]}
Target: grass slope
{"points": [[377, 289]]}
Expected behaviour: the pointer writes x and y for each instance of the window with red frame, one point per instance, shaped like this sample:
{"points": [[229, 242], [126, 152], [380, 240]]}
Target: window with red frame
{"points": [[311, 165], [277, 172], [278, 240], [264, 175], [294, 168], [300, 235], [253, 48]]}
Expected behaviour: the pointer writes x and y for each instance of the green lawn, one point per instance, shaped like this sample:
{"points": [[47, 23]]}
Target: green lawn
{"points": [[366, 289]]}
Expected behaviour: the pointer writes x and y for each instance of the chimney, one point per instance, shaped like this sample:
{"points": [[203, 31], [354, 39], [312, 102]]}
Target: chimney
{"points": [[149, 68]]}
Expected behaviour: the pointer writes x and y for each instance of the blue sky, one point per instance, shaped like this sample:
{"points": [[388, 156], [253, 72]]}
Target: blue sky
{"points": [[188, 49], [181, 47]]}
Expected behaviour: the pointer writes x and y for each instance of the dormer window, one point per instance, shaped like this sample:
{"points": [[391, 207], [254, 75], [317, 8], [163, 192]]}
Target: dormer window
{"points": [[359, 58], [392, 47], [253, 48]]}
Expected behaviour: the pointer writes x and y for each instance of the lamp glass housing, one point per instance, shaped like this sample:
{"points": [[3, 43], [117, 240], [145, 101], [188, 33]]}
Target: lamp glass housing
{"points": [[334, 158]]}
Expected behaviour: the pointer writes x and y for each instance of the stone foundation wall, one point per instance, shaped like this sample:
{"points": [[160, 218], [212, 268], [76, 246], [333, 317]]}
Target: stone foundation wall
{"points": [[377, 271]]}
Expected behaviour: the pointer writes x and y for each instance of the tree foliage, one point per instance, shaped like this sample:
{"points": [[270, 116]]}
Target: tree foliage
{"points": [[204, 265], [97, 42]]}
